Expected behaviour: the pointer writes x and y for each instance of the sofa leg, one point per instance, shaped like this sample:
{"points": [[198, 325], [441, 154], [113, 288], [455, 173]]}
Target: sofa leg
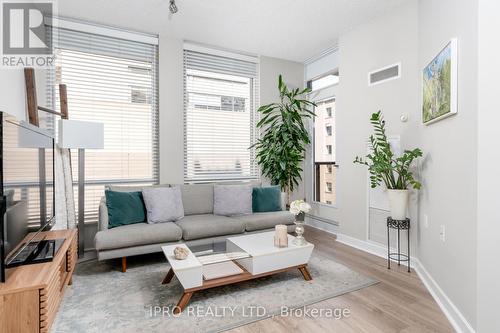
{"points": [[124, 264]]}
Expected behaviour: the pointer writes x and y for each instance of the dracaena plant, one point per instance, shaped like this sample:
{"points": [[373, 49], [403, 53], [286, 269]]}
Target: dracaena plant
{"points": [[281, 148], [383, 165]]}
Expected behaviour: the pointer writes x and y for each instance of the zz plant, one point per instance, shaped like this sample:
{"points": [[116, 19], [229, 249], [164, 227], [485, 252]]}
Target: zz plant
{"points": [[383, 166], [284, 137]]}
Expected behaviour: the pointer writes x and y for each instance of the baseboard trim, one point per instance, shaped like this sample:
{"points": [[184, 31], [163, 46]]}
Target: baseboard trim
{"points": [[369, 246], [321, 225], [455, 317], [452, 313]]}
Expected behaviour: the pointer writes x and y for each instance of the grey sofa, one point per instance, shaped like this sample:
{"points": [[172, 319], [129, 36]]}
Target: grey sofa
{"points": [[199, 227]]}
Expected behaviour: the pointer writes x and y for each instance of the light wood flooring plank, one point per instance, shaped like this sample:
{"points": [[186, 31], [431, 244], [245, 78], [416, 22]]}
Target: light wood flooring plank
{"points": [[399, 303]]}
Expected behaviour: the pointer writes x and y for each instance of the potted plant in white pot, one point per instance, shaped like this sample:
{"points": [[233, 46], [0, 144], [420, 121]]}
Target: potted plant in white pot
{"points": [[393, 171]]}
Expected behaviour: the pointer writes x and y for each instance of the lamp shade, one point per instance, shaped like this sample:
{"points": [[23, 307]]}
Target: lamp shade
{"points": [[81, 134]]}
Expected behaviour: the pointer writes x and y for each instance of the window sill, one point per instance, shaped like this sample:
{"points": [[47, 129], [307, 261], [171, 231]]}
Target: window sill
{"points": [[322, 204]]}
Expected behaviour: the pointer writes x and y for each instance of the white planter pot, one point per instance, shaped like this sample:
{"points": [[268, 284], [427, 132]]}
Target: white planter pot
{"points": [[398, 200]]}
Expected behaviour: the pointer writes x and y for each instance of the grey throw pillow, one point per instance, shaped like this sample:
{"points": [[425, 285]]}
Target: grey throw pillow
{"points": [[163, 204], [232, 200]]}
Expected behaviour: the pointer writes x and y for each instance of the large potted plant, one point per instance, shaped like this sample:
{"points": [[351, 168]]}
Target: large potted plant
{"points": [[284, 137], [393, 171]]}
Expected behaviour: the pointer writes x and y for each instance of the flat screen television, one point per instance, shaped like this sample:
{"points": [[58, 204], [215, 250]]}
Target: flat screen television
{"points": [[27, 195]]}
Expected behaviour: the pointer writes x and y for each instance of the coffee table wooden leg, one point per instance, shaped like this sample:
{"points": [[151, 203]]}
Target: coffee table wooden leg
{"points": [[168, 277], [182, 302], [305, 273]]}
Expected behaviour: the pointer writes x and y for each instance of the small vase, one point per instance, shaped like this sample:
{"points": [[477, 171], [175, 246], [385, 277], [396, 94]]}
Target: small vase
{"points": [[398, 201], [299, 230]]}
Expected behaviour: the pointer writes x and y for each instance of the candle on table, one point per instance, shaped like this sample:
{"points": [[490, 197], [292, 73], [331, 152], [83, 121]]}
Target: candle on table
{"points": [[280, 236]]}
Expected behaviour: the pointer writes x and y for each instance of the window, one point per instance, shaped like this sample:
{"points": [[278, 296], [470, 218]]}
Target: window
{"points": [[219, 117], [329, 112], [115, 82], [329, 130], [324, 81], [324, 152]]}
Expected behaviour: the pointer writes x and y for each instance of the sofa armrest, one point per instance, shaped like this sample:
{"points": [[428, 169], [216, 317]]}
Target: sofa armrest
{"points": [[103, 215]]}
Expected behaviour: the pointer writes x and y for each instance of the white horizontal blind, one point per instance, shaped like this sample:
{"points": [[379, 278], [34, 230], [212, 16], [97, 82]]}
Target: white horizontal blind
{"points": [[115, 82], [220, 98]]}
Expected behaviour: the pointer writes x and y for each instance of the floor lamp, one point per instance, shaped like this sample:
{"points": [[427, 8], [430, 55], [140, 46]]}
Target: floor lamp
{"points": [[81, 135]]}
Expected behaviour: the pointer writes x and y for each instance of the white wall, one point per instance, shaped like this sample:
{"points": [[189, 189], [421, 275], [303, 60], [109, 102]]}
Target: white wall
{"points": [[13, 92], [171, 111], [488, 217], [449, 172], [413, 34], [293, 75], [384, 41]]}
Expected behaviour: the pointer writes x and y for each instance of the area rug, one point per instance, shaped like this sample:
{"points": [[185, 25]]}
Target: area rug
{"points": [[103, 299]]}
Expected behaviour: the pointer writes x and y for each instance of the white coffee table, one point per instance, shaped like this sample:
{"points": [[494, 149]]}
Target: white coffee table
{"points": [[257, 257]]}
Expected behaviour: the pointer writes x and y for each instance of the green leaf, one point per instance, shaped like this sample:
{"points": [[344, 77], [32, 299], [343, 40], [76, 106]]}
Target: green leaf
{"points": [[394, 172]]}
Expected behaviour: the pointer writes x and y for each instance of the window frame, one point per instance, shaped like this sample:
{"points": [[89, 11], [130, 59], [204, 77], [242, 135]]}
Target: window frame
{"points": [[329, 133], [252, 106], [152, 99], [329, 112], [316, 165]]}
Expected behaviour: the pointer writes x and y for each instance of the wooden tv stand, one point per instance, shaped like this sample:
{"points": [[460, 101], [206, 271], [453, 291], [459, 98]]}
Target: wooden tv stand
{"points": [[31, 295]]}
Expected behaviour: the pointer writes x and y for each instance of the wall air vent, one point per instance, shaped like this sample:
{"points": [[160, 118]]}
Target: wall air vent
{"points": [[385, 74]]}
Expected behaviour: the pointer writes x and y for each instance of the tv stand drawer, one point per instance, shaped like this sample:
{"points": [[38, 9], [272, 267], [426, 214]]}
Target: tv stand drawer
{"points": [[51, 296], [31, 296]]}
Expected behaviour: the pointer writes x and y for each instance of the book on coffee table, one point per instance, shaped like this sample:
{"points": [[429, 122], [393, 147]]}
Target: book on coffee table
{"points": [[221, 269]]}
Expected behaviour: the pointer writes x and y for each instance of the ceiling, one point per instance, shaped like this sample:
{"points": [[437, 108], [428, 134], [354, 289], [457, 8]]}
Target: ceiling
{"points": [[288, 29]]}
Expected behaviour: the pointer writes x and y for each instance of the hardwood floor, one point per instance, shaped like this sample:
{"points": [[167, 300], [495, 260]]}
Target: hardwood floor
{"points": [[399, 303]]}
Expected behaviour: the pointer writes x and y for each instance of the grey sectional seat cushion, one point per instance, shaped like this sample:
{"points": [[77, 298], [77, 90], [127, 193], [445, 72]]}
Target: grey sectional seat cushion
{"points": [[198, 199], [208, 225], [260, 221], [137, 234]]}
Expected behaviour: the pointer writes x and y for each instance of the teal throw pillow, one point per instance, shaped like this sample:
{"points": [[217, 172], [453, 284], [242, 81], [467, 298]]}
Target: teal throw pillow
{"points": [[125, 208], [266, 199]]}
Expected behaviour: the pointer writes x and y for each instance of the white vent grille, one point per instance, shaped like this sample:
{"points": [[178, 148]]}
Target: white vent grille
{"points": [[385, 74]]}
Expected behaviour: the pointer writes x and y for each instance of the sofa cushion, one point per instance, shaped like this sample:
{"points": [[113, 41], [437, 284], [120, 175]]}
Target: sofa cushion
{"points": [[163, 204], [230, 200], [208, 225], [136, 235], [198, 199], [259, 221], [266, 199], [124, 208]]}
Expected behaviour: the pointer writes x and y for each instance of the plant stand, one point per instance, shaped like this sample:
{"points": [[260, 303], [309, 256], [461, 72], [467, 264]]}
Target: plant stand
{"points": [[398, 256]]}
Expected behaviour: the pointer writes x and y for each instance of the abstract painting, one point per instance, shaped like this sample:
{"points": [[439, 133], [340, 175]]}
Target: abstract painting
{"points": [[440, 85]]}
